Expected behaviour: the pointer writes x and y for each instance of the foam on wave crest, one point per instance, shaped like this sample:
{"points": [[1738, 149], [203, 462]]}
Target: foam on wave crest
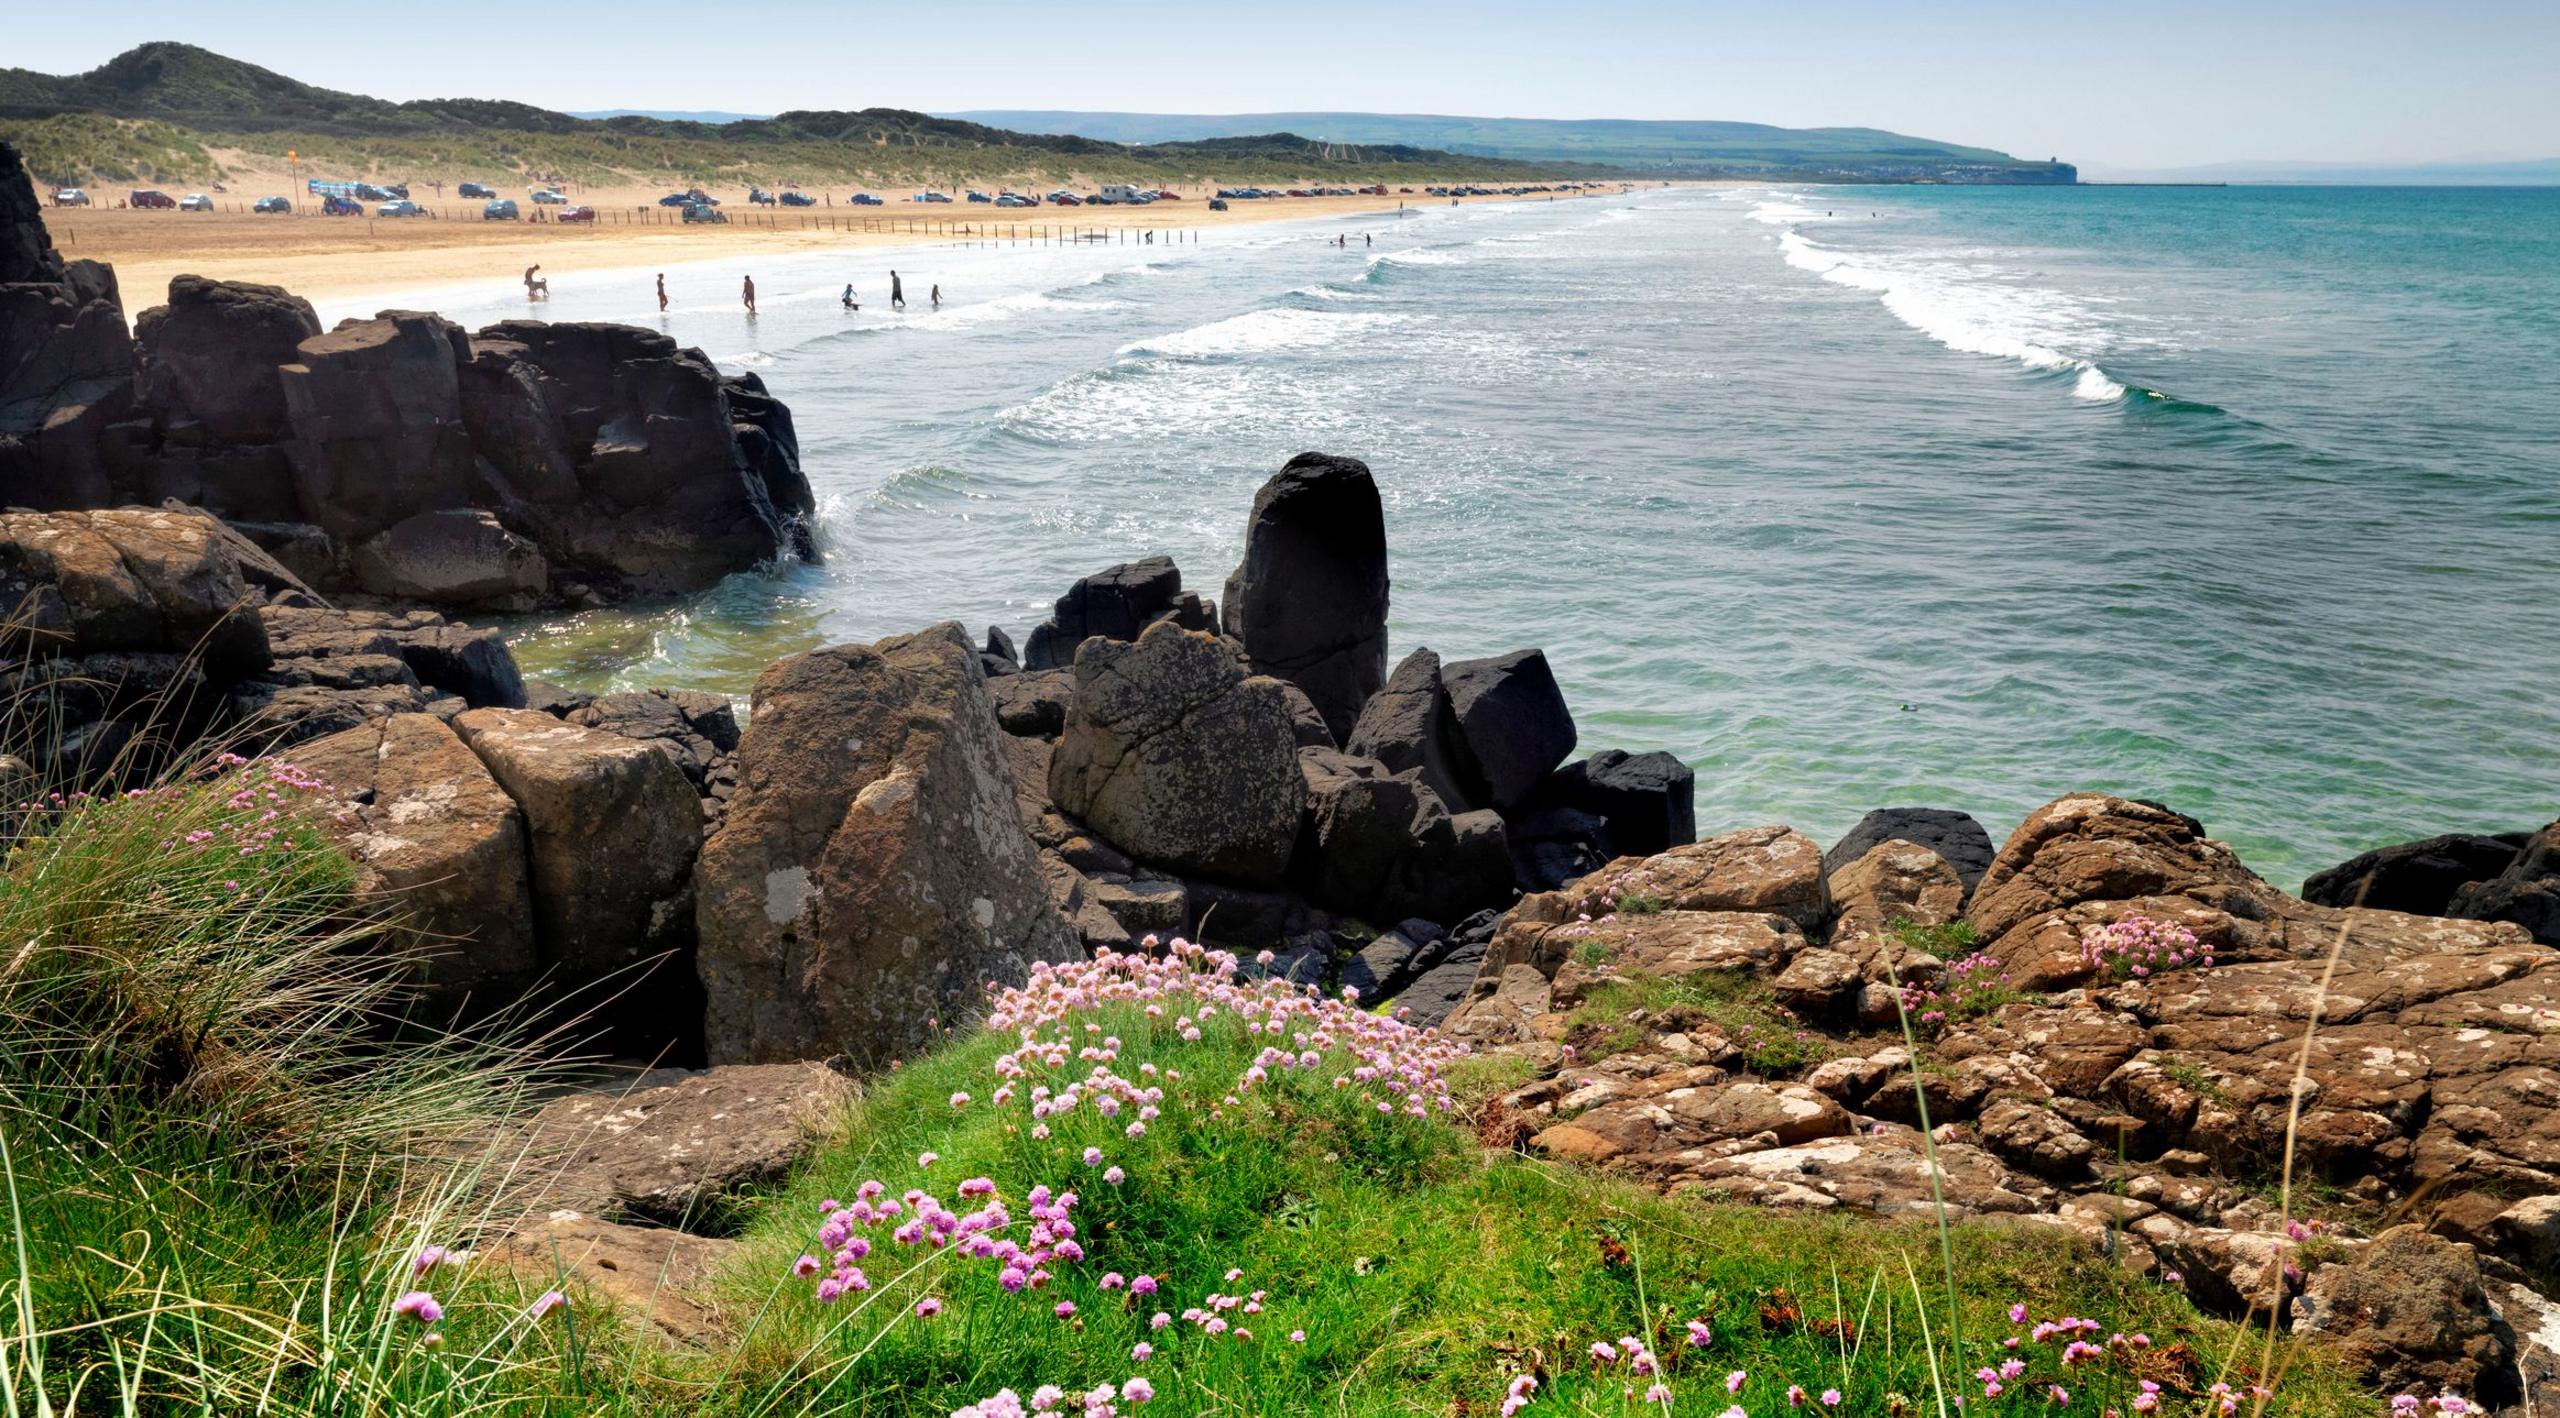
{"points": [[1260, 332], [1970, 309]]}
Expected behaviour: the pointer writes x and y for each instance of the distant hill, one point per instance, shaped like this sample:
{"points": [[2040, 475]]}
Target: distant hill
{"points": [[1656, 148], [672, 115], [160, 110]]}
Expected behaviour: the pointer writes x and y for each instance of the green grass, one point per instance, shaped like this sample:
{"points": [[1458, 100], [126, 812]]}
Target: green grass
{"points": [[1623, 1014], [224, 1144]]}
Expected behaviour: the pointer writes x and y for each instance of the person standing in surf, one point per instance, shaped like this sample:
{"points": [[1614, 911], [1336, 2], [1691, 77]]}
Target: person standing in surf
{"points": [[662, 292], [897, 292], [750, 295]]}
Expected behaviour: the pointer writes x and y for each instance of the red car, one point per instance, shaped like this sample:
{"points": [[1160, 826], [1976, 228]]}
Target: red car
{"points": [[576, 214], [1164, 196], [150, 197]]}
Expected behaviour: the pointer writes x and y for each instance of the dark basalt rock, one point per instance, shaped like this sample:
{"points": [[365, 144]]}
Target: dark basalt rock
{"points": [[2526, 893], [1513, 720], [1115, 604], [1309, 600], [2420, 877], [1647, 799], [1409, 726], [1953, 835], [209, 358]]}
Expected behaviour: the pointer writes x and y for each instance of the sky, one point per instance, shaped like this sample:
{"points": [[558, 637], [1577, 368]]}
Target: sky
{"points": [[2162, 85]]}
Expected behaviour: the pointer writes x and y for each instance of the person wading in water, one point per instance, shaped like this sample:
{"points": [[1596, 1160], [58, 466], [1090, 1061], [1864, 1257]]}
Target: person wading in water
{"points": [[662, 292], [897, 292], [751, 295]]}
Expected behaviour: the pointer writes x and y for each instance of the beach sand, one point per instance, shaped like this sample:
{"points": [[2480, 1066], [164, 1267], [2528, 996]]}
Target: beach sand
{"points": [[341, 258]]}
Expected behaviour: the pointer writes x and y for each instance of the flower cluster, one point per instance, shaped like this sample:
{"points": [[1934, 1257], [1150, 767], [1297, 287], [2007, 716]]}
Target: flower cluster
{"points": [[2446, 1405], [1969, 986], [1049, 1401], [1184, 992], [917, 1220], [2137, 947]]}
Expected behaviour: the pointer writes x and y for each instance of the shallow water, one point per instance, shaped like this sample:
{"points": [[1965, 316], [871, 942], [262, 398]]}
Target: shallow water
{"points": [[2241, 499]]}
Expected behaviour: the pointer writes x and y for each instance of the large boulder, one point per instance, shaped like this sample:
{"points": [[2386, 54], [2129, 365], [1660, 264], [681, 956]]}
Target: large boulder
{"points": [[1647, 800], [1382, 846], [694, 729], [209, 357], [434, 839], [612, 830], [1952, 835], [2419, 877], [375, 408], [2526, 893], [1179, 758], [872, 873], [129, 578], [1115, 603], [1514, 722], [2410, 1313], [450, 557], [1409, 726], [1309, 600]]}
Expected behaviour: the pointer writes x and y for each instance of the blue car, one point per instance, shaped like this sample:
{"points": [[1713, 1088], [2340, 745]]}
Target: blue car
{"points": [[798, 199], [865, 199]]}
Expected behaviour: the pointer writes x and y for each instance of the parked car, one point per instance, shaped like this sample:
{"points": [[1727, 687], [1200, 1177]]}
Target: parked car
{"points": [[550, 197], [502, 210], [70, 197], [195, 202], [703, 212], [400, 209], [759, 197], [1065, 198], [576, 214], [676, 199], [865, 199], [977, 196], [1016, 199], [798, 199], [475, 189], [272, 204], [1217, 204], [150, 197], [341, 207], [932, 197], [1162, 195]]}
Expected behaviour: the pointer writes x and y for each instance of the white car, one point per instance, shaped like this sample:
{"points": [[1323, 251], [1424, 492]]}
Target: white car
{"points": [[195, 202], [548, 197]]}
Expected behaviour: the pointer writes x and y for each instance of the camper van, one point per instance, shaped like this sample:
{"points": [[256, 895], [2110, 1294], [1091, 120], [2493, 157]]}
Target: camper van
{"points": [[1124, 194]]}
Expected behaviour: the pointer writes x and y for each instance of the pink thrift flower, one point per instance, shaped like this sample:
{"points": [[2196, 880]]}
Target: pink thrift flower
{"points": [[805, 1266], [1297, 1336], [1734, 1381], [545, 1303], [1141, 1352], [928, 1307], [1137, 1390], [418, 1305], [1831, 1398]]}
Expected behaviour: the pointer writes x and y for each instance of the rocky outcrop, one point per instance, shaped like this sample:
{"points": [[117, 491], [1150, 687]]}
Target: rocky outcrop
{"points": [[1179, 758], [2136, 1110], [66, 361], [396, 457], [1309, 600], [1382, 846], [872, 872]]}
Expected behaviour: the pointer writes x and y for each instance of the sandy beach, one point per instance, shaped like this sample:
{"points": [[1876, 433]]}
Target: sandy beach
{"points": [[342, 258]]}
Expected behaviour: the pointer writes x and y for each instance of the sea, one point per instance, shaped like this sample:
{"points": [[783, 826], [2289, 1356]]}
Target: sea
{"points": [[2242, 499]]}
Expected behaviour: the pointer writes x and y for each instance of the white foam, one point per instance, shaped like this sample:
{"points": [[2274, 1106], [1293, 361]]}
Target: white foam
{"points": [[1260, 332], [1972, 308]]}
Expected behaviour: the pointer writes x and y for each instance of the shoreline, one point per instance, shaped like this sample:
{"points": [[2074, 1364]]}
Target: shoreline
{"points": [[344, 259]]}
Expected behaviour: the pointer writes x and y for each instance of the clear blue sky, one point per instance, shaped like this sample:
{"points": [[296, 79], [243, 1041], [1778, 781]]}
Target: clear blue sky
{"points": [[2154, 85]]}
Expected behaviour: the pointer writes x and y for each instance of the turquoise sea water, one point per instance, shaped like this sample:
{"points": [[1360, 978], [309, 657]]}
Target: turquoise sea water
{"points": [[2244, 499]]}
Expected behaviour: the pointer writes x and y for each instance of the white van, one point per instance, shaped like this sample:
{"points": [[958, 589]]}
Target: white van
{"points": [[1123, 194]]}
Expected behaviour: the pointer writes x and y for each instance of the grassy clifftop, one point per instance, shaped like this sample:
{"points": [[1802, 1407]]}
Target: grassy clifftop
{"points": [[237, 1179]]}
